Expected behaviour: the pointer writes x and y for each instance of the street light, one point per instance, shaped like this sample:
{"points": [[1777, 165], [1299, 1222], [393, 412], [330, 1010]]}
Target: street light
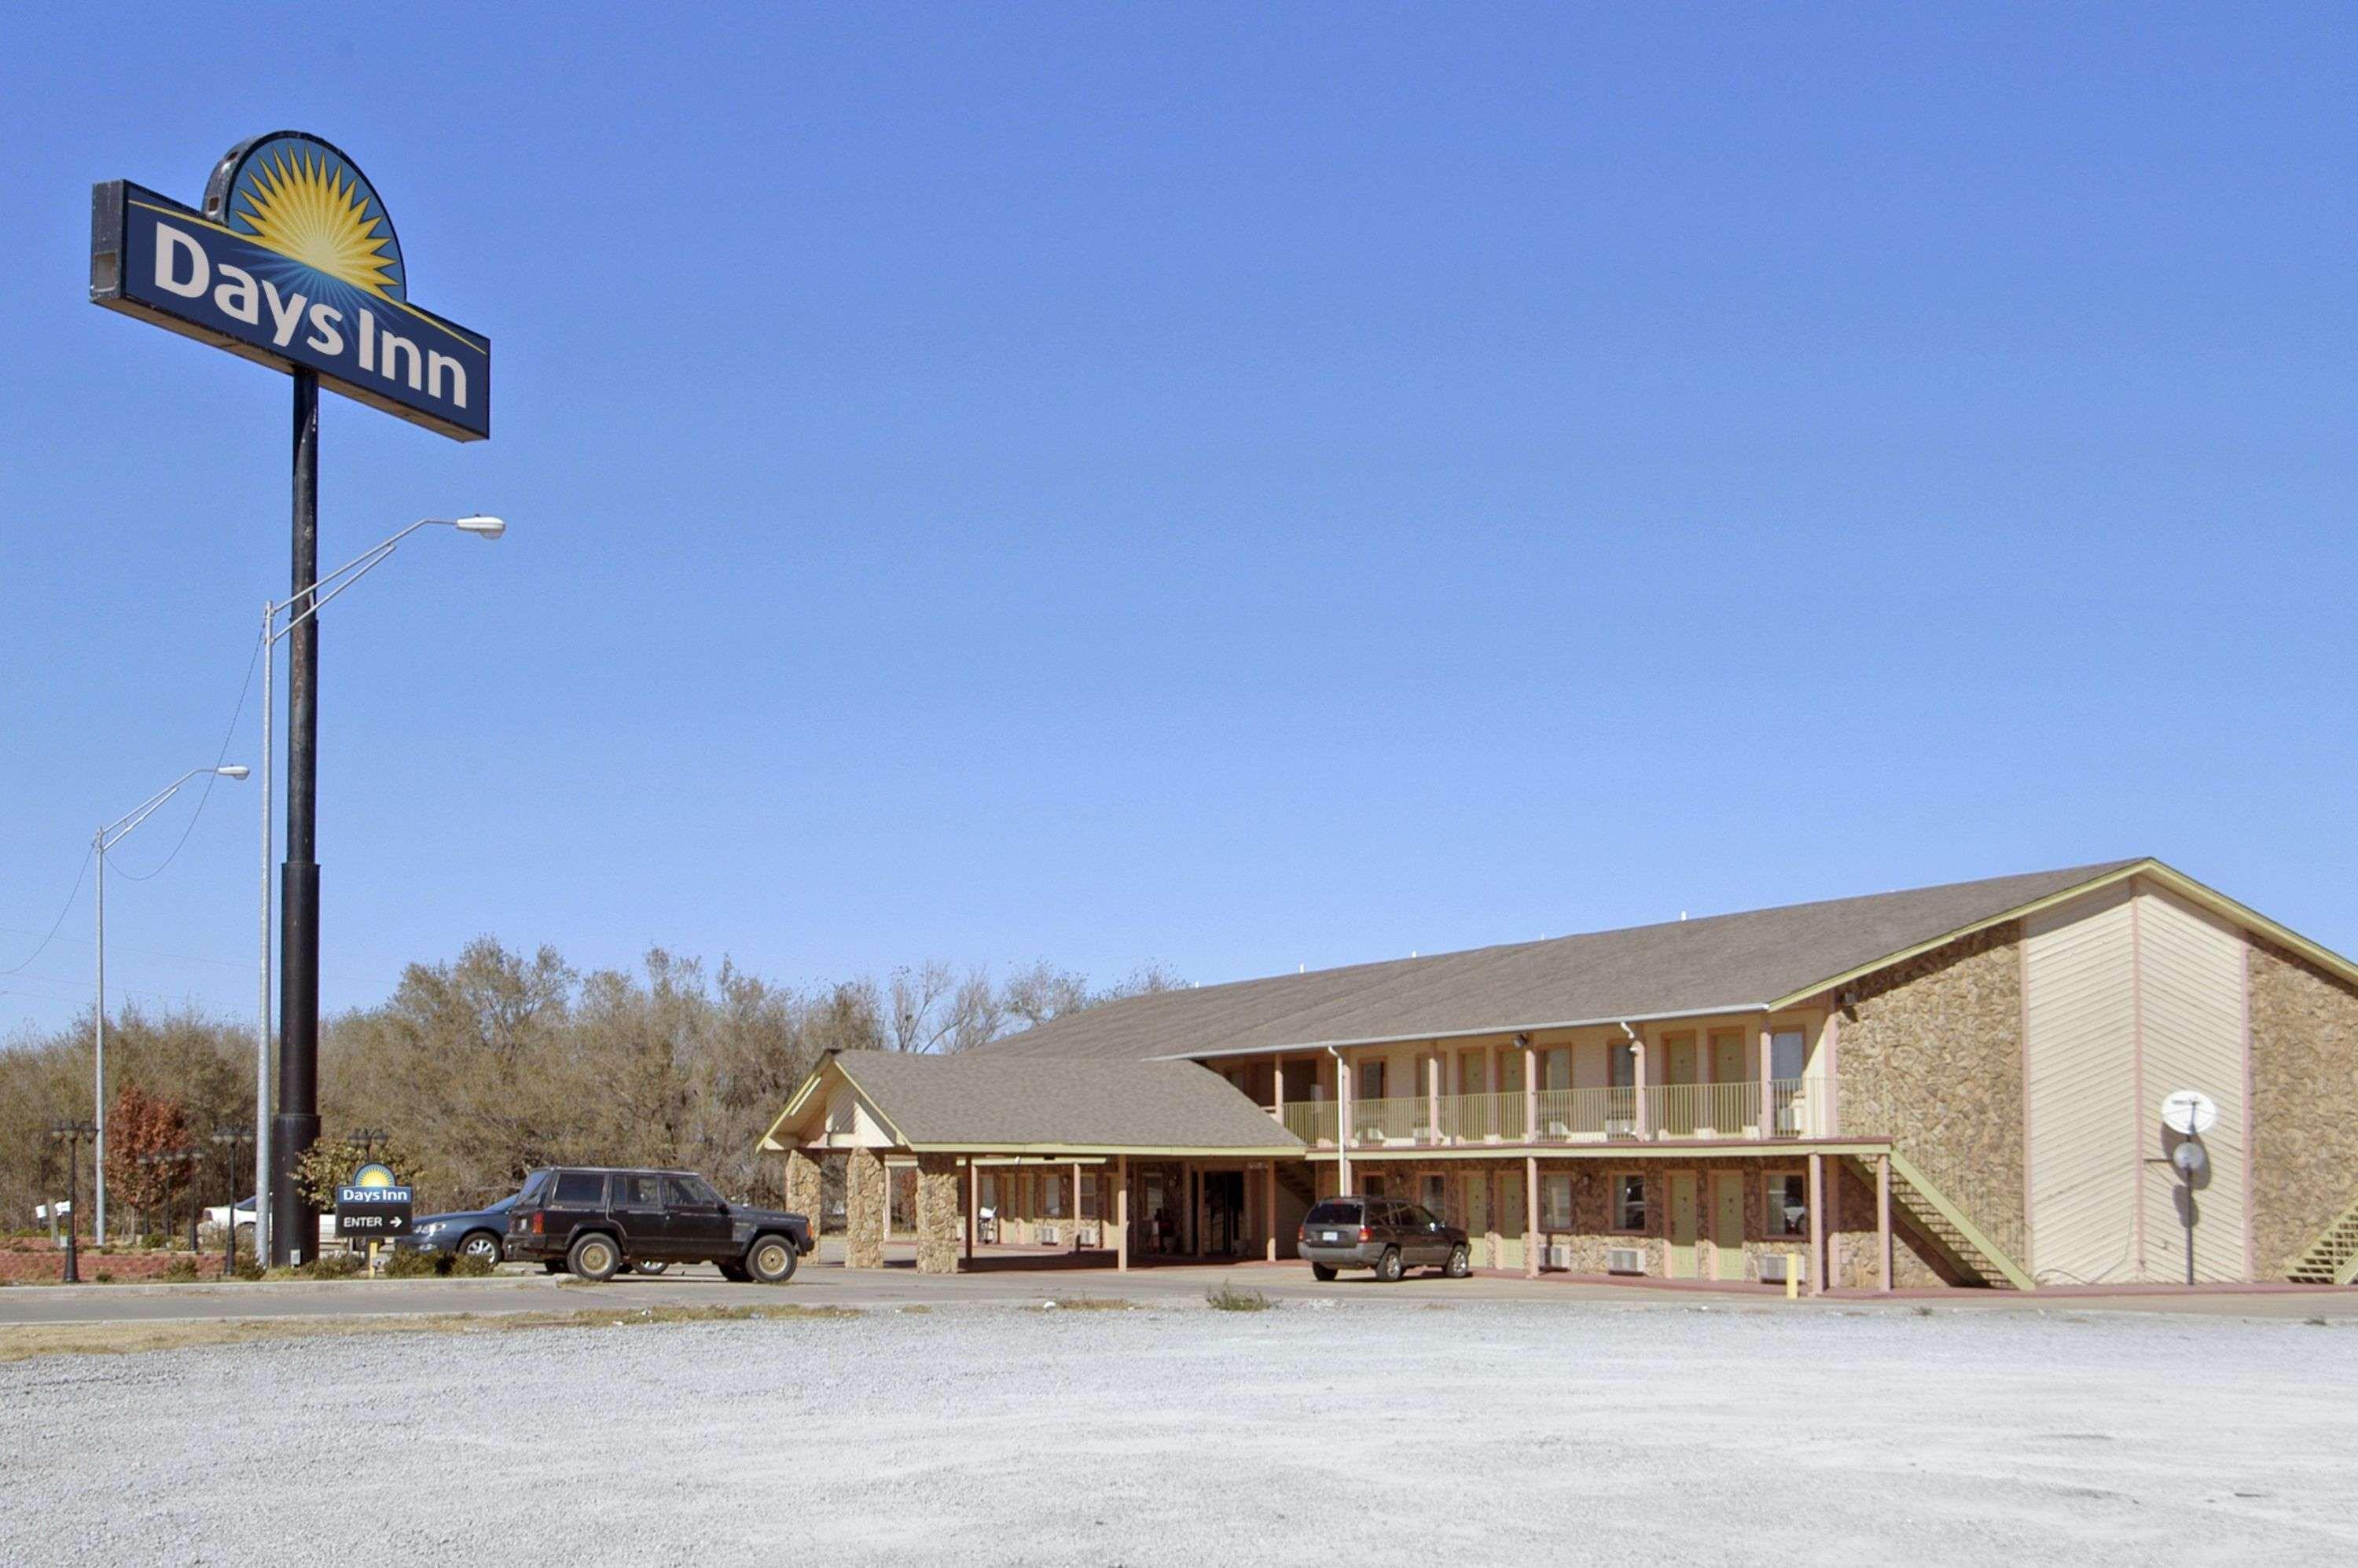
{"points": [[107, 838], [299, 1059], [70, 1134]]}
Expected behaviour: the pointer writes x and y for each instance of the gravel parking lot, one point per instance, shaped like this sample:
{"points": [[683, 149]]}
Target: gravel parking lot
{"points": [[987, 1434]]}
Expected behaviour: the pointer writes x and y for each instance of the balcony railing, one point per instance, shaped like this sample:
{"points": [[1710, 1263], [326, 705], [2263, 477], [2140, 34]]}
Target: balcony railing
{"points": [[1798, 1107]]}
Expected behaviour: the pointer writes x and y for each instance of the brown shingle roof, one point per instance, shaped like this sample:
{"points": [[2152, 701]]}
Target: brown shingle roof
{"points": [[1729, 962], [995, 1101]]}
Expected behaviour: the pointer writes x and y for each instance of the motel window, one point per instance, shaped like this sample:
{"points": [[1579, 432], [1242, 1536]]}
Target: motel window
{"points": [[1623, 1058], [1628, 1203], [990, 1194], [1434, 1191], [1371, 1081], [1789, 1205], [1052, 1194], [1559, 1070], [1373, 1187], [1785, 1053], [1090, 1195], [1555, 1203]]}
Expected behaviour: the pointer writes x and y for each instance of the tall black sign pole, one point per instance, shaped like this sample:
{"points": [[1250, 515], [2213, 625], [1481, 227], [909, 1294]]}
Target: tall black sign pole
{"points": [[294, 1223]]}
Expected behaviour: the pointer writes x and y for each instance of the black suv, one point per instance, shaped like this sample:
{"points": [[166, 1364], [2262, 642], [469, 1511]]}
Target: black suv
{"points": [[1383, 1234], [596, 1222]]}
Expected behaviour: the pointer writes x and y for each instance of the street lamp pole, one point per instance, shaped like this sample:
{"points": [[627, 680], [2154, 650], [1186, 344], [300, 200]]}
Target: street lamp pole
{"points": [[106, 839], [280, 1140], [70, 1134]]}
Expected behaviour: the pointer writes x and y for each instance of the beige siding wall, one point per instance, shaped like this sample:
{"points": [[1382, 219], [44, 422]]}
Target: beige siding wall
{"points": [[2190, 1018], [2080, 1003]]}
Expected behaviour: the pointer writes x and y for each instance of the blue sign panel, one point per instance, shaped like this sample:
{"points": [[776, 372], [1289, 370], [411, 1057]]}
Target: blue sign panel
{"points": [[294, 264]]}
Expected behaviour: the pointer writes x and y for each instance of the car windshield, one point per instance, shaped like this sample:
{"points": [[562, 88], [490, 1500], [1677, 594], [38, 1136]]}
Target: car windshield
{"points": [[1333, 1213], [688, 1191]]}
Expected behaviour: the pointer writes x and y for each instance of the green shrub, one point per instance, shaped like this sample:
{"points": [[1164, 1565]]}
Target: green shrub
{"points": [[1227, 1298], [249, 1267], [467, 1268], [105, 1277], [333, 1266], [183, 1272], [408, 1265]]}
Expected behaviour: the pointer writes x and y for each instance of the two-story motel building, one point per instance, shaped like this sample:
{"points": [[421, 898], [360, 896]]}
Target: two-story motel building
{"points": [[1955, 1085]]}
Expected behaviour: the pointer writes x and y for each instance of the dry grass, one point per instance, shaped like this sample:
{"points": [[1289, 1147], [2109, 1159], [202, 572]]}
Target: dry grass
{"points": [[1086, 1303], [19, 1343]]}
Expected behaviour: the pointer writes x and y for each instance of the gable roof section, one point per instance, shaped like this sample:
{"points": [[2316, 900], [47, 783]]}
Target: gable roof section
{"points": [[997, 1103], [1755, 961]]}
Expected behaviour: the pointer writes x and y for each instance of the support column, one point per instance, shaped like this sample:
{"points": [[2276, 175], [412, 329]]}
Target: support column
{"points": [[1834, 1225], [1883, 1222], [1638, 1071], [1817, 1224], [973, 1203], [1076, 1207], [803, 1174], [1121, 1212], [936, 1216], [865, 1196], [1433, 1091], [1342, 1125], [1767, 1102], [1190, 1187], [1277, 1088], [1530, 1094], [1269, 1209], [1531, 1216]]}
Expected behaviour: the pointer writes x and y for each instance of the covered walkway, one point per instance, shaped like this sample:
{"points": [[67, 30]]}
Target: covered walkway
{"points": [[1001, 1163]]}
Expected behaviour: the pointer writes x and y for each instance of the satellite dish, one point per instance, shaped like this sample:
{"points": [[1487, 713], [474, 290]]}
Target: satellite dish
{"points": [[2190, 1113]]}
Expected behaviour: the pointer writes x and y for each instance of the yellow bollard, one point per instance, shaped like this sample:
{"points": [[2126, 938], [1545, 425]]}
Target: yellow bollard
{"points": [[1792, 1281]]}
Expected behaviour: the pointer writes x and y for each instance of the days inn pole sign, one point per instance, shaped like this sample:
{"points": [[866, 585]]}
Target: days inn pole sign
{"points": [[293, 263]]}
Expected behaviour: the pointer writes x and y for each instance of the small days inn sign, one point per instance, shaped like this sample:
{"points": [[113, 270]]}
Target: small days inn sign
{"points": [[294, 264]]}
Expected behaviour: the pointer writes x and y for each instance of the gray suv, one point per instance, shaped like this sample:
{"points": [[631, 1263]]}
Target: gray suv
{"points": [[1383, 1234]]}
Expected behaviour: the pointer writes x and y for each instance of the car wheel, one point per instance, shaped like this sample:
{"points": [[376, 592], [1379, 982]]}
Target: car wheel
{"points": [[481, 1244], [770, 1259], [649, 1266], [1388, 1267], [594, 1258], [1321, 1271], [1461, 1263]]}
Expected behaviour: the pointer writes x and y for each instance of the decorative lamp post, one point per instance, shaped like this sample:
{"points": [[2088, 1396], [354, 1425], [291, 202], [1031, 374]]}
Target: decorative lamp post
{"points": [[72, 1134]]}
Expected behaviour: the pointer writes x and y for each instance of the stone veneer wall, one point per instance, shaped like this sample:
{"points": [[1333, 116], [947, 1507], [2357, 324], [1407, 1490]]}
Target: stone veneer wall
{"points": [[805, 1187], [938, 1214], [2304, 1104], [1931, 1055], [864, 1196]]}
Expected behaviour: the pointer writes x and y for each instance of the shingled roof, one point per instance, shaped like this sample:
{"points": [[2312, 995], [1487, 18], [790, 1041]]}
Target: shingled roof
{"points": [[970, 1101], [1722, 963]]}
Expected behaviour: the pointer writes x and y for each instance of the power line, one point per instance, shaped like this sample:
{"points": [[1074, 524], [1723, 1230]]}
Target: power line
{"points": [[54, 925], [210, 779]]}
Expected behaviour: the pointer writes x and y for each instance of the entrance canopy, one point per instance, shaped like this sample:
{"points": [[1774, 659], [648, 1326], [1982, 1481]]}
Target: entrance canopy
{"points": [[990, 1104]]}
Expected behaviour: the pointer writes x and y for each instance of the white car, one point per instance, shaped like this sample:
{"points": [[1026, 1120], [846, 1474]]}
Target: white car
{"points": [[219, 1216]]}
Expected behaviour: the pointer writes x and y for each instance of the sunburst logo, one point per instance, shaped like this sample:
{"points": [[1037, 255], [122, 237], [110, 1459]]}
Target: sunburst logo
{"points": [[312, 212]]}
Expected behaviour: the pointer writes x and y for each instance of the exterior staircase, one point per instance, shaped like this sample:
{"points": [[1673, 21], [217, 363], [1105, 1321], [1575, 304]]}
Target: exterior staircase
{"points": [[2332, 1257], [1968, 1250]]}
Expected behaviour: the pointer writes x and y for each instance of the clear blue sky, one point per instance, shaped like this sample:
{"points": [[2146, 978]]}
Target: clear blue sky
{"points": [[1233, 486]]}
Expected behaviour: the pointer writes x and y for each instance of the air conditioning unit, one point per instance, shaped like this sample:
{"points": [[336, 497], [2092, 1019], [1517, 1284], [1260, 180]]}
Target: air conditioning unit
{"points": [[1051, 1235], [1625, 1260], [1620, 1126], [1559, 1132], [1776, 1268], [1559, 1254], [1428, 1135]]}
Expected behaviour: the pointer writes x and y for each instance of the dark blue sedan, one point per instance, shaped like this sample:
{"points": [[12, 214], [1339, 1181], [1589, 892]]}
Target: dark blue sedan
{"points": [[476, 1233]]}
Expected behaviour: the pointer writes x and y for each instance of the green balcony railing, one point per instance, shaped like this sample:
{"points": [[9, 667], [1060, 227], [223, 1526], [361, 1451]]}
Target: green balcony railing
{"points": [[1313, 1121]]}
